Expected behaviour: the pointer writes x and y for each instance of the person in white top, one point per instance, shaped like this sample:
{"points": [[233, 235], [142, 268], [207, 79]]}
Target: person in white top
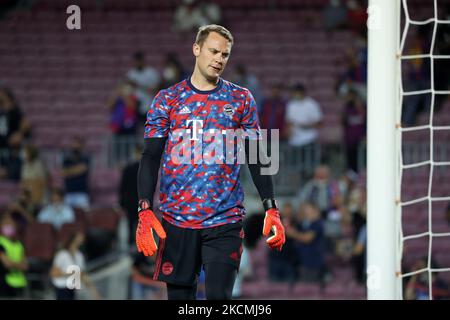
{"points": [[192, 14], [303, 118], [56, 213], [68, 264], [145, 80]]}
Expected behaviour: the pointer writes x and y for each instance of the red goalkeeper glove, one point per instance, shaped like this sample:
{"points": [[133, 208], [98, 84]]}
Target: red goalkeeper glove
{"points": [[272, 222], [145, 241]]}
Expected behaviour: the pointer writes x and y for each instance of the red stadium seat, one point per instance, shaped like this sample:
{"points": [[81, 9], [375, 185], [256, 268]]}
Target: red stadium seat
{"points": [[40, 241], [104, 218], [68, 229]]}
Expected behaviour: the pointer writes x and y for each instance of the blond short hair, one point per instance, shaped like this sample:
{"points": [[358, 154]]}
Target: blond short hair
{"points": [[204, 31]]}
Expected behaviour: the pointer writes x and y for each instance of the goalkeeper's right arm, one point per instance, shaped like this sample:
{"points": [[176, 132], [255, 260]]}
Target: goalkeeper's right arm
{"points": [[147, 180], [149, 167]]}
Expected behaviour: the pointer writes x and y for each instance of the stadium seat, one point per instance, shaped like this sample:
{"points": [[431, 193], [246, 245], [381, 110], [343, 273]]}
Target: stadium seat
{"points": [[104, 218], [68, 229], [40, 241], [101, 232]]}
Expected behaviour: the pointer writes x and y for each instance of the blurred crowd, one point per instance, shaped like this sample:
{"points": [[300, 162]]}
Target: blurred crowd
{"points": [[325, 219]]}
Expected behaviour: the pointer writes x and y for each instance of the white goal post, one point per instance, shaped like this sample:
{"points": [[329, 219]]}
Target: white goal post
{"points": [[385, 163], [382, 145]]}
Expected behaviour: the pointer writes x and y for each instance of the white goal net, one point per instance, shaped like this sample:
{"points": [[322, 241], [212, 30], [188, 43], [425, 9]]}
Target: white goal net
{"points": [[423, 132]]}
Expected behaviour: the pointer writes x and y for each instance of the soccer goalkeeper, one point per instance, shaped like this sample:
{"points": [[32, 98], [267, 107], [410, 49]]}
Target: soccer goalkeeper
{"points": [[202, 204]]}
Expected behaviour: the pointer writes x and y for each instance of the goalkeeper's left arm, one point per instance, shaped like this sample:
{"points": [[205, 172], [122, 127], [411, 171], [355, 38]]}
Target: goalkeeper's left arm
{"points": [[264, 185]]}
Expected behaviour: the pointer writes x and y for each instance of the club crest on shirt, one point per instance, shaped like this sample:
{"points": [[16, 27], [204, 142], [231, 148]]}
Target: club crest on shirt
{"points": [[167, 268], [228, 110]]}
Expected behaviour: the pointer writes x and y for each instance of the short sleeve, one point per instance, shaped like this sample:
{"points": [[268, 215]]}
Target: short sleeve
{"points": [[157, 124], [250, 121]]}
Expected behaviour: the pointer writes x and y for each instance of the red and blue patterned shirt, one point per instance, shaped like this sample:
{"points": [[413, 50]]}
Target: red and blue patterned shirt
{"points": [[205, 190]]}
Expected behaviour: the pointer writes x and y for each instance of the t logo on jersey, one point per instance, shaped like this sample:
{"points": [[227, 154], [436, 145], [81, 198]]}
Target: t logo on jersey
{"points": [[194, 128]]}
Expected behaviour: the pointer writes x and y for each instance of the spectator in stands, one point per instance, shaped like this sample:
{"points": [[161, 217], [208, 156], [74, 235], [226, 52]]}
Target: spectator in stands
{"points": [[143, 287], [11, 162], [324, 193], [347, 183], [303, 118], [173, 71], [13, 261], [357, 206], [321, 191], [34, 176], [128, 196], [123, 121], [334, 16], [354, 127], [347, 186], [358, 211], [14, 127], [211, 11], [273, 111], [76, 175], [145, 80], [64, 261], [123, 107], [359, 259], [57, 212], [188, 16], [246, 79], [284, 264], [356, 16], [309, 234], [417, 287], [192, 14], [22, 210], [355, 73], [23, 205]]}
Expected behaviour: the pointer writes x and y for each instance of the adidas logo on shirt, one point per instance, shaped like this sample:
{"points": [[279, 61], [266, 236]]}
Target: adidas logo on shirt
{"points": [[185, 110]]}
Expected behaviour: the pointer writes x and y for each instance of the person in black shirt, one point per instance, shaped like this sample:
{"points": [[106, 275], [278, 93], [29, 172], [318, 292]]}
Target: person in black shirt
{"points": [[14, 127], [76, 175]]}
